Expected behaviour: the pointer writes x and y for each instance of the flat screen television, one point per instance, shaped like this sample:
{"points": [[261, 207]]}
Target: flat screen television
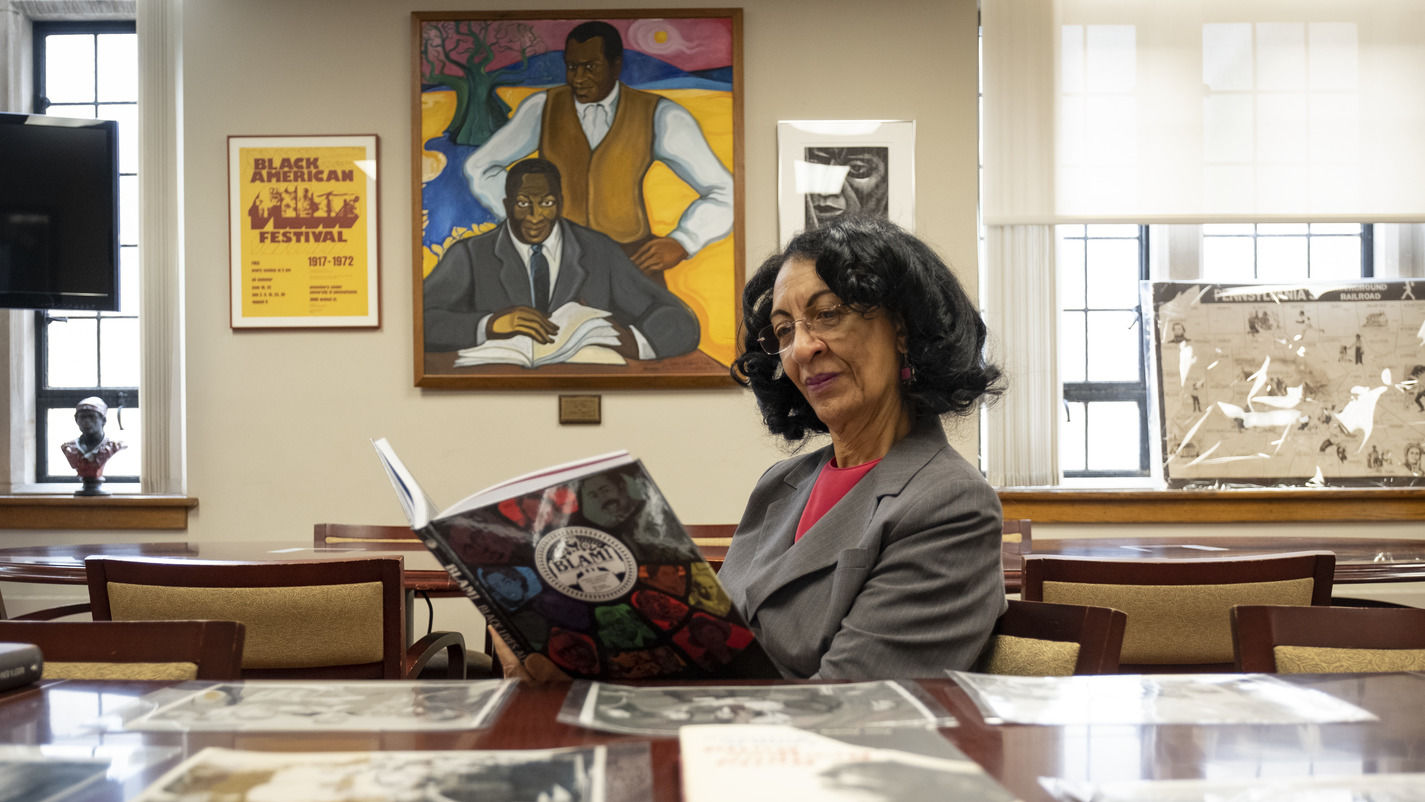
{"points": [[59, 213]]}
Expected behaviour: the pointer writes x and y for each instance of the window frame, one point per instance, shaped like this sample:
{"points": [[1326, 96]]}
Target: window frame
{"points": [[1086, 392], [46, 398]]}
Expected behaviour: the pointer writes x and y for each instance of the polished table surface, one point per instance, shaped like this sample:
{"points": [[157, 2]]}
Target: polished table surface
{"points": [[1016, 755], [1358, 560]]}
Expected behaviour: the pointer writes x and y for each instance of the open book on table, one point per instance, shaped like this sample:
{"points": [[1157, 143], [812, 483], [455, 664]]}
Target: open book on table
{"points": [[585, 337], [586, 564]]}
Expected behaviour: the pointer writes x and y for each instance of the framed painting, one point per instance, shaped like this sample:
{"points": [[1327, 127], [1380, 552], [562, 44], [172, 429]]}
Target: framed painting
{"points": [[577, 198], [827, 169], [302, 232]]}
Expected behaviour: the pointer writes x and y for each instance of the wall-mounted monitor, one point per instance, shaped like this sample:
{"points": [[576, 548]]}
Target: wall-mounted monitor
{"points": [[59, 213]]}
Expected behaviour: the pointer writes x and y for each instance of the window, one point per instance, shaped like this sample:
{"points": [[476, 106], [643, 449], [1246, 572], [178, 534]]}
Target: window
{"points": [[1104, 428], [90, 70], [1239, 252]]}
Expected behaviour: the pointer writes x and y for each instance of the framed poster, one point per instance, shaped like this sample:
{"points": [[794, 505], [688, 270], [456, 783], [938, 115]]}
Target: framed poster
{"points": [[302, 230], [1313, 384], [577, 198], [827, 169]]}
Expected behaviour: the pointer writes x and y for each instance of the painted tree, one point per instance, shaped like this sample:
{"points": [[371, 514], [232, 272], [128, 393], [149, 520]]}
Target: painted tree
{"points": [[458, 53]]}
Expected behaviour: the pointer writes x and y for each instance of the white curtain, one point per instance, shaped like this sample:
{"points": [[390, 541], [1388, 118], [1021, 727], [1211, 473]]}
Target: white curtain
{"points": [[1212, 110], [160, 31], [1022, 313]]}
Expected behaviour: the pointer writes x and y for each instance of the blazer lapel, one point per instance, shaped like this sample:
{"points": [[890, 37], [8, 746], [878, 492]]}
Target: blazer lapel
{"points": [[514, 276], [571, 270], [844, 526]]}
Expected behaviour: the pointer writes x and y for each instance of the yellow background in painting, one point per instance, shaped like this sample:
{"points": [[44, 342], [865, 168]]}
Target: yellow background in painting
{"points": [[283, 272], [705, 282]]}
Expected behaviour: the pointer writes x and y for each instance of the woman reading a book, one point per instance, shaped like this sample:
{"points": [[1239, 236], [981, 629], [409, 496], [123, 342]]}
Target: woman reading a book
{"points": [[877, 555]]}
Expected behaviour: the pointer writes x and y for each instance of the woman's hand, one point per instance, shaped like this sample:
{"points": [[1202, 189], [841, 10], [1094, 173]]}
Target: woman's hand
{"points": [[537, 669]]}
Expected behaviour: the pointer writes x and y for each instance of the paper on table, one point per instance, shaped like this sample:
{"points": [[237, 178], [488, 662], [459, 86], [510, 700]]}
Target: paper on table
{"points": [[1153, 699]]}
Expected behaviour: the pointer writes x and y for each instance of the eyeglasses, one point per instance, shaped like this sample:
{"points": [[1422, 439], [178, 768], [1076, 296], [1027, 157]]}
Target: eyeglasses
{"points": [[821, 323]]}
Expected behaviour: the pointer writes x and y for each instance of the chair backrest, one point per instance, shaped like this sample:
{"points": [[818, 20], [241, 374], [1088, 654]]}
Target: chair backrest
{"points": [[379, 537], [1015, 542], [1179, 610], [1042, 639], [1320, 640], [305, 618], [133, 650]]}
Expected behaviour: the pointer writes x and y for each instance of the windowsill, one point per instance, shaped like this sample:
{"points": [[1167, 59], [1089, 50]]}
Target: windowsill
{"points": [[61, 509], [1256, 505]]}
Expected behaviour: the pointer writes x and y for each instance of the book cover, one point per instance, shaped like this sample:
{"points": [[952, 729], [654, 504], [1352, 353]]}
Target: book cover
{"points": [[20, 664], [586, 564], [750, 762]]}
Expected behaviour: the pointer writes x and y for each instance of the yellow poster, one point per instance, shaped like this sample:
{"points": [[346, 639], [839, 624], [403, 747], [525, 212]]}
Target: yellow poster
{"points": [[303, 231]]}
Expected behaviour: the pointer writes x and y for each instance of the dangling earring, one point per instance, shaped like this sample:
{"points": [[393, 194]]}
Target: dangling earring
{"points": [[907, 371], [777, 372]]}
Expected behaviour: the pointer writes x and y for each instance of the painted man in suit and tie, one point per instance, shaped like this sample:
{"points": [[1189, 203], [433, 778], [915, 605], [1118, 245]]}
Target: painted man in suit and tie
{"points": [[507, 281], [604, 135]]}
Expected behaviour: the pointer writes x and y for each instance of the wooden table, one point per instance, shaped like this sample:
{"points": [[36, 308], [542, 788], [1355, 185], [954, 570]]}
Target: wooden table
{"points": [[1016, 755], [1358, 560]]}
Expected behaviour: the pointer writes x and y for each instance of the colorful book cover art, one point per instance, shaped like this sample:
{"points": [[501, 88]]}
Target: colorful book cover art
{"points": [[599, 576]]}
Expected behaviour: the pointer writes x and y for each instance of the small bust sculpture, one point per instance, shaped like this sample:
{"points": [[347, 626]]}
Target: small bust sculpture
{"points": [[88, 452]]}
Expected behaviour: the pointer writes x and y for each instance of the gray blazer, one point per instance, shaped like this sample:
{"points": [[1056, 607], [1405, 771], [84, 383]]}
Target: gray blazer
{"points": [[484, 274], [901, 578]]}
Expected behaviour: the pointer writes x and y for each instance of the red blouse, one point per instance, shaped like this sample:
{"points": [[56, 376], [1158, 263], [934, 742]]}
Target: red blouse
{"points": [[831, 484]]}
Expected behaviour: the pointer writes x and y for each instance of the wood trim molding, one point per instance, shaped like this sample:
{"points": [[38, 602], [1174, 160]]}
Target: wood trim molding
{"points": [[1215, 506], [96, 512]]}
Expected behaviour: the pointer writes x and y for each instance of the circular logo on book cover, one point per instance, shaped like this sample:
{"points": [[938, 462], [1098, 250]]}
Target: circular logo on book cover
{"points": [[585, 564]]}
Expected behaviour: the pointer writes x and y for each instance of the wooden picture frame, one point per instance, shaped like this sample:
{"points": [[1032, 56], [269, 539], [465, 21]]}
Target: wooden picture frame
{"points": [[302, 232], [491, 90], [827, 168]]}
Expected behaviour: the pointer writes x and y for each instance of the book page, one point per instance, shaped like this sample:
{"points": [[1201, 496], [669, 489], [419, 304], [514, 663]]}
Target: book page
{"points": [[414, 501], [580, 328], [535, 480]]}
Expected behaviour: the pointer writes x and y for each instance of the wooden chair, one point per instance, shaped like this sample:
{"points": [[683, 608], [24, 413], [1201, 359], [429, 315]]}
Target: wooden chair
{"points": [[133, 650], [47, 614], [1015, 542], [1179, 610], [1322, 640], [375, 537], [1040, 639], [305, 619], [387, 537]]}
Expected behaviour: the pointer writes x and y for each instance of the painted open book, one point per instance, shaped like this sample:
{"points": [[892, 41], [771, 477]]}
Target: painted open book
{"points": [[586, 564], [585, 337]]}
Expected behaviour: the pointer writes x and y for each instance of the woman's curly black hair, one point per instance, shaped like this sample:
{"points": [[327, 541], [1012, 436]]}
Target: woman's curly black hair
{"points": [[874, 263]]}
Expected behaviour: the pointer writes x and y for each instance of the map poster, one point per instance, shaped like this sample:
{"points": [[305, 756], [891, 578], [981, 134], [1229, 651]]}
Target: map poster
{"points": [[1313, 384], [302, 231]]}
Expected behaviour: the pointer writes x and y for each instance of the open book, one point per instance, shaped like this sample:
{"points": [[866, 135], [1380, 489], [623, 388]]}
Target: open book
{"points": [[586, 564], [585, 337]]}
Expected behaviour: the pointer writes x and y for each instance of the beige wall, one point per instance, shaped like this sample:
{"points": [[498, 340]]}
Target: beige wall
{"points": [[279, 421]]}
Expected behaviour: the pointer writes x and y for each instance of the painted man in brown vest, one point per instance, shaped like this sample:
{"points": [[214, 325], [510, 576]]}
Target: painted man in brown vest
{"points": [[604, 135]]}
